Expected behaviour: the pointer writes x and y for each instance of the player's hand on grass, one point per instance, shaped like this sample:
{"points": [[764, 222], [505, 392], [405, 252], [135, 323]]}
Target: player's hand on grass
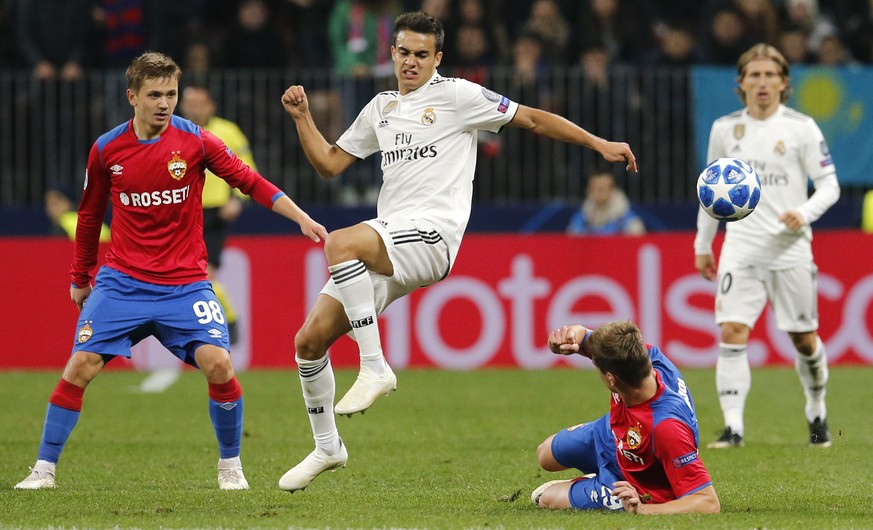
{"points": [[313, 230], [79, 294], [565, 340], [628, 495], [295, 102]]}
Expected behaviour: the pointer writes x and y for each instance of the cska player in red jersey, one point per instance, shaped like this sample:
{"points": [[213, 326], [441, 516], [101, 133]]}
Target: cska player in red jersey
{"points": [[642, 456], [154, 280]]}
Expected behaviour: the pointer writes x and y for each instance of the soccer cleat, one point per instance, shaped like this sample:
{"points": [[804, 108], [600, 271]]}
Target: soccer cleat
{"points": [[819, 435], [728, 439], [42, 477], [230, 475], [366, 388], [316, 463]]}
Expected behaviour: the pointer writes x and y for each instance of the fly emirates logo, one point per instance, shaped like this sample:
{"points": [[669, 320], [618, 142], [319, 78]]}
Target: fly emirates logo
{"points": [[403, 150], [154, 198]]}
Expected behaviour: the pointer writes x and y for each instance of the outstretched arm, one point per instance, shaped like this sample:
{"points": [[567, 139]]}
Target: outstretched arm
{"points": [[328, 160], [285, 207], [567, 340], [559, 128]]}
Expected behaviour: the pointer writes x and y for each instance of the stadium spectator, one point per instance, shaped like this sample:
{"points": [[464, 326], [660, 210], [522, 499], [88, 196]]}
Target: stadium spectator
{"points": [[805, 15], [768, 255], [52, 37], [761, 19], [606, 210], [727, 37], [613, 25], [154, 280], [794, 44], [253, 41], [59, 209], [676, 46], [222, 205], [642, 456], [867, 213], [426, 132], [832, 52], [121, 27], [548, 22]]}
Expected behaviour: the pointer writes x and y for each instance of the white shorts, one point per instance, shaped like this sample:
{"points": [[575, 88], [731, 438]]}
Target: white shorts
{"points": [[744, 290], [418, 253]]}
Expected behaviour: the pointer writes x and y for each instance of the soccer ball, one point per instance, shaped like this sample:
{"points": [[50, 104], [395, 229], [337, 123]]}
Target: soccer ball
{"points": [[729, 189]]}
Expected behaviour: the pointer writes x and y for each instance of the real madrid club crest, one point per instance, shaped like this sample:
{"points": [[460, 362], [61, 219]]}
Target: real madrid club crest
{"points": [[85, 332], [634, 436], [177, 166], [739, 131], [429, 116], [780, 148]]}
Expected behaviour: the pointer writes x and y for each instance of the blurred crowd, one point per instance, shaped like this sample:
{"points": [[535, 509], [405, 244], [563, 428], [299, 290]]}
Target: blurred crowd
{"points": [[64, 38]]}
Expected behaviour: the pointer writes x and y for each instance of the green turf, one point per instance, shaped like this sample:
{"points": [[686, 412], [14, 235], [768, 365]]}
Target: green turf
{"points": [[447, 450]]}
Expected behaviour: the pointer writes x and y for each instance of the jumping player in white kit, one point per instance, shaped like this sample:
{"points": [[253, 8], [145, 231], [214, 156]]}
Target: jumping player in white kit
{"points": [[426, 134]]}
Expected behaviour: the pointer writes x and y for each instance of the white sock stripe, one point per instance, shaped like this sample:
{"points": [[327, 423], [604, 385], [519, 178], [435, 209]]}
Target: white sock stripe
{"points": [[311, 368], [348, 272]]}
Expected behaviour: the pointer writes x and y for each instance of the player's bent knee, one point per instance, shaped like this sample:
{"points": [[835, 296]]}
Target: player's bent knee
{"points": [[545, 458], [215, 363]]}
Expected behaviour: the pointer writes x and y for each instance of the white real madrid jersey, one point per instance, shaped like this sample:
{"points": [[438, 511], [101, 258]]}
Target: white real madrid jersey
{"points": [[787, 150], [428, 139]]}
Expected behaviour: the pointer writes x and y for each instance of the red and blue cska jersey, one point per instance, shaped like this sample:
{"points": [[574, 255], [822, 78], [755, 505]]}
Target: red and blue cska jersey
{"points": [[156, 191], [656, 441]]}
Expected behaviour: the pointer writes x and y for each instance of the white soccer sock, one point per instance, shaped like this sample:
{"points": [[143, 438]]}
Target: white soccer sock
{"points": [[319, 387], [356, 294], [813, 372], [733, 378]]}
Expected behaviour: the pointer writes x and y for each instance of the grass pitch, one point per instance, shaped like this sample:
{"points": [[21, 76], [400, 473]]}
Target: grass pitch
{"points": [[447, 450]]}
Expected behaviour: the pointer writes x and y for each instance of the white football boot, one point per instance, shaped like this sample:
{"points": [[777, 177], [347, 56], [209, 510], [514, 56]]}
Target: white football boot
{"points": [[42, 477], [230, 474], [316, 463], [366, 388]]}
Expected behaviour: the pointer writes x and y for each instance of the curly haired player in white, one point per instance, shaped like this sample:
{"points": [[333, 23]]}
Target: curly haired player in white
{"points": [[768, 255], [426, 134]]}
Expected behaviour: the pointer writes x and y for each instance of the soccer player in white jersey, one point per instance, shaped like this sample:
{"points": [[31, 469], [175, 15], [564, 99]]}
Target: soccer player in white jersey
{"points": [[426, 134], [768, 255]]}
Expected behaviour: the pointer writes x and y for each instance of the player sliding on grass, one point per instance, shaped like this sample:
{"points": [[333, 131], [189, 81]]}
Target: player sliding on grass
{"points": [[426, 134], [642, 456], [154, 281]]}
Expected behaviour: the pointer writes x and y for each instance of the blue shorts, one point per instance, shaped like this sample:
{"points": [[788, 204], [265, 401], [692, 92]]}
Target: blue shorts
{"points": [[590, 449], [122, 311]]}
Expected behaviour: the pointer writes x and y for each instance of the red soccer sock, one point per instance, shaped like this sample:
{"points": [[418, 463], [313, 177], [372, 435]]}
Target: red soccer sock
{"points": [[67, 395], [225, 392]]}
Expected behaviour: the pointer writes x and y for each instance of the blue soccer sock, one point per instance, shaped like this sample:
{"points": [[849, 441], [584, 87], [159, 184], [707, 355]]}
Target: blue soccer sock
{"points": [[226, 412], [60, 418], [59, 423]]}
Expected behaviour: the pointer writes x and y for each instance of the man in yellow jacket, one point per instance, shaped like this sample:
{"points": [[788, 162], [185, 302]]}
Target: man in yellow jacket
{"points": [[221, 204]]}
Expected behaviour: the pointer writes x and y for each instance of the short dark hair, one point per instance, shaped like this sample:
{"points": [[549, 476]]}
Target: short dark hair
{"points": [[618, 348], [420, 22], [151, 65]]}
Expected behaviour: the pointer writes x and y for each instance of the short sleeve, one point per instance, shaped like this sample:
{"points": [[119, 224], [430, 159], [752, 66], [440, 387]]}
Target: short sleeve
{"points": [[483, 108], [676, 450], [360, 138]]}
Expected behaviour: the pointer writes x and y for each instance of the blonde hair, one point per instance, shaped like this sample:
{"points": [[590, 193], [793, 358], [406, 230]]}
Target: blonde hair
{"points": [[765, 51]]}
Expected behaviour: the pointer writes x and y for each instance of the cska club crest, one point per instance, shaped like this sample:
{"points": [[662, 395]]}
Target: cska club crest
{"points": [[634, 436], [177, 166], [429, 116], [85, 332]]}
